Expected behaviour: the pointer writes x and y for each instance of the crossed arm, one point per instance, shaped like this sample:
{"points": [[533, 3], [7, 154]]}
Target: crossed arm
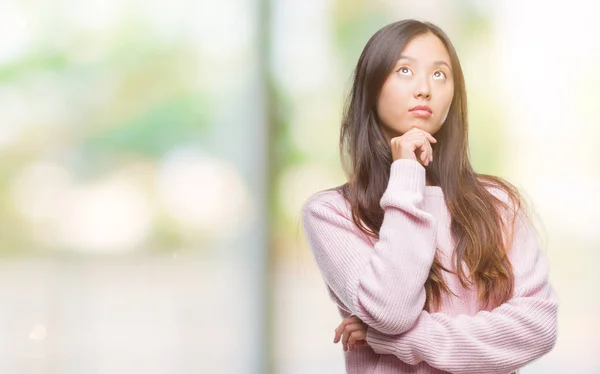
{"points": [[366, 280]]}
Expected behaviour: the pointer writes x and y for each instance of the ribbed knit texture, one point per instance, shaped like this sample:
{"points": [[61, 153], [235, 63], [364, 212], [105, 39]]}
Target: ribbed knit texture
{"points": [[382, 282]]}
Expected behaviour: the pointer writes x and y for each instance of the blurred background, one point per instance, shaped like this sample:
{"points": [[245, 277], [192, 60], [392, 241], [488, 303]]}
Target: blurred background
{"points": [[154, 157]]}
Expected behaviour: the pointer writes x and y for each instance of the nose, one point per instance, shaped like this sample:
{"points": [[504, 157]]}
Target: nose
{"points": [[422, 89]]}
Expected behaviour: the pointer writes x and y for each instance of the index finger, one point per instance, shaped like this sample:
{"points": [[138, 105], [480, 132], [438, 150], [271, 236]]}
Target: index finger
{"points": [[340, 329], [430, 137]]}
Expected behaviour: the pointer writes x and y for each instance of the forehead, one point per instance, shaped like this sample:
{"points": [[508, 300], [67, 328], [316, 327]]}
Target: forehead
{"points": [[426, 48]]}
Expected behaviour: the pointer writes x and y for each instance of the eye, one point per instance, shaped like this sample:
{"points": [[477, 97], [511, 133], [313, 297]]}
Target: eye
{"points": [[439, 75], [404, 71]]}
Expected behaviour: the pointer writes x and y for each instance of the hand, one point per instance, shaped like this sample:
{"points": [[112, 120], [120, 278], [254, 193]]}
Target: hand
{"points": [[354, 332], [406, 145]]}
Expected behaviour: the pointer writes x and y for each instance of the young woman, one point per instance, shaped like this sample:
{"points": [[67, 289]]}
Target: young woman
{"points": [[434, 268]]}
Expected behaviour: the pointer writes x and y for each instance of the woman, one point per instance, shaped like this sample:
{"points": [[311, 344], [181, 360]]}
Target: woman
{"points": [[434, 268]]}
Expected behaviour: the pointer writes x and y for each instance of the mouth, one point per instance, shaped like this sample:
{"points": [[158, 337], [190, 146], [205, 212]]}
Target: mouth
{"points": [[421, 111]]}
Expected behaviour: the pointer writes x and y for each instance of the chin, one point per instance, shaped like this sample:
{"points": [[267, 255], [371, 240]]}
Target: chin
{"points": [[423, 125], [431, 128]]}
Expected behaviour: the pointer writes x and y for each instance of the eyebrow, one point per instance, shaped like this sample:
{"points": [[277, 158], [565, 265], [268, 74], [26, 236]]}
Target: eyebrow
{"points": [[437, 63]]}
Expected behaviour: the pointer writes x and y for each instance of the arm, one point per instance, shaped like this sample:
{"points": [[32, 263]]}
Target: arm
{"points": [[498, 341], [383, 285]]}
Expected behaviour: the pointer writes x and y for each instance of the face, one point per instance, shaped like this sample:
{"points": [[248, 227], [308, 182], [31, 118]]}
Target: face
{"points": [[419, 90]]}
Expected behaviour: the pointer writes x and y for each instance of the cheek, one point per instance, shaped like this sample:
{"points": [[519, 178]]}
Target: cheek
{"points": [[391, 101], [446, 108], [445, 114], [384, 100]]}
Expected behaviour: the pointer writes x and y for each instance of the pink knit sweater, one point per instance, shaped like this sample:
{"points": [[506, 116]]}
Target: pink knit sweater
{"points": [[382, 282]]}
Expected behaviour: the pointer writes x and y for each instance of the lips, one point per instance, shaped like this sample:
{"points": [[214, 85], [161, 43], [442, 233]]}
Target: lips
{"points": [[421, 111], [421, 108]]}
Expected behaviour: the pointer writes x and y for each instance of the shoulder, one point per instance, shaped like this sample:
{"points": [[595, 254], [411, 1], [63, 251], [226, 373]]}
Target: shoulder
{"points": [[327, 201], [327, 213], [494, 186], [513, 207], [504, 191]]}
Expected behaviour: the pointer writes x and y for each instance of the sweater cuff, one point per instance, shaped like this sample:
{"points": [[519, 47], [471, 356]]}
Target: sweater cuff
{"points": [[406, 175], [380, 343]]}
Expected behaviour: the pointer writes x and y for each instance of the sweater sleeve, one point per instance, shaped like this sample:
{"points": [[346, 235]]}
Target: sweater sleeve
{"points": [[382, 284], [497, 341]]}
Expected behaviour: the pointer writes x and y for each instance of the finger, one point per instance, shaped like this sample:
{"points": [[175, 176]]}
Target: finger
{"points": [[359, 335], [352, 340], [349, 330], [345, 322], [430, 153], [357, 338], [340, 330], [414, 147], [354, 326], [338, 335], [429, 136], [424, 152], [424, 157], [425, 146]]}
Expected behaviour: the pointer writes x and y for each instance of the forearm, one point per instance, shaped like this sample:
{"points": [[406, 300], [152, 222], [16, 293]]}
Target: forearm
{"points": [[382, 284], [498, 341]]}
